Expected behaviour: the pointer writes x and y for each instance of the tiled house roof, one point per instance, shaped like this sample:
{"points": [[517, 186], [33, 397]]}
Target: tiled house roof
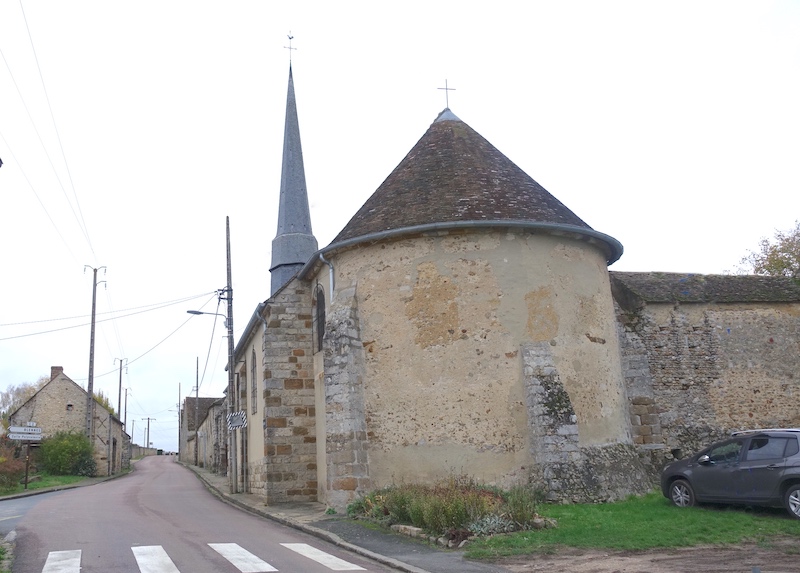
{"points": [[203, 405], [454, 176], [686, 287]]}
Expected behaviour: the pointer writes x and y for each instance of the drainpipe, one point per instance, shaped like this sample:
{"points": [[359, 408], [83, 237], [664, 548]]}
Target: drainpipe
{"points": [[330, 275]]}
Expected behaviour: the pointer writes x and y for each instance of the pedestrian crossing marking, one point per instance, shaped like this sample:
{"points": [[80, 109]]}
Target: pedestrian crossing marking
{"points": [[242, 559], [326, 559], [63, 562], [153, 559]]}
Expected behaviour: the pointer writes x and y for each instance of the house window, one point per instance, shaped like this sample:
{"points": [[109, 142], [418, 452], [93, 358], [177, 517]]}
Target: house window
{"points": [[319, 319], [254, 383], [69, 407]]}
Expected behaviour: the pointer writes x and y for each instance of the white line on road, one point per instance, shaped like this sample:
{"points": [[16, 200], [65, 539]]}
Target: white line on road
{"points": [[244, 561], [325, 559], [153, 559], [63, 562]]}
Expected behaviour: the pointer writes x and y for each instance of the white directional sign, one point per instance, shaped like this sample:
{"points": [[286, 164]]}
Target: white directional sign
{"points": [[15, 436], [24, 430]]}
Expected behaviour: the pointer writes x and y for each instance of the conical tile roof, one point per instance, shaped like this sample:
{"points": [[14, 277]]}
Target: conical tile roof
{"points": [[454, 177]]}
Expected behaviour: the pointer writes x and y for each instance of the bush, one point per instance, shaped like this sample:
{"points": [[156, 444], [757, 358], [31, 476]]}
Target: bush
{"points": [[12, 468], [68, 453], [457, 503]]}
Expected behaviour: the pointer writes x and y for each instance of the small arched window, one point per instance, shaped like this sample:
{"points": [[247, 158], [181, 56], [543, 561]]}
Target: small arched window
{"points": [[319, 319]]}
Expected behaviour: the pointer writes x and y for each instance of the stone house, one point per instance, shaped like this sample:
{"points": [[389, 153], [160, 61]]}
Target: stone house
{"points": [[199, 425], [465, 321], [60, 406]]}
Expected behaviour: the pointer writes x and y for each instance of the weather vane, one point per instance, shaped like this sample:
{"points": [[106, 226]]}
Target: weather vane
{"points": [[446, 95], [289, 47]]}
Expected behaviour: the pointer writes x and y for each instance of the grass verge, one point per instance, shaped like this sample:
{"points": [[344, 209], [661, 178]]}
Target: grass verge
{"points": [[641, 523], [46, 481]]}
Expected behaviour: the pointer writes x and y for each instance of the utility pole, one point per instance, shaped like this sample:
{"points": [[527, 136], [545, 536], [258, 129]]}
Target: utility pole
{"points": [[90, 383], [147, 440], [196, 408], [232, 433], [119, 395], [180, 429], [125, 421]]}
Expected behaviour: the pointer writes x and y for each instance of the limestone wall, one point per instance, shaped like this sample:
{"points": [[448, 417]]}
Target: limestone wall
{"points": [[697, 371], [434, 352]]}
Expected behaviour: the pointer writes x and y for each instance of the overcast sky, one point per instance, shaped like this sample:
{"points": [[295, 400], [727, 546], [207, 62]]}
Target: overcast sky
{"points": [[130, 130]]}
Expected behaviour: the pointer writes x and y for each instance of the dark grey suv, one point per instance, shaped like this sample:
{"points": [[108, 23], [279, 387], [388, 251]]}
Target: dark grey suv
{"points": [[755, 467]]}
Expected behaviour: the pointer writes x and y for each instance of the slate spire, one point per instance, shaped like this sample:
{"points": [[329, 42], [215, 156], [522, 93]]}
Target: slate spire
{"points": [[294, 244]]}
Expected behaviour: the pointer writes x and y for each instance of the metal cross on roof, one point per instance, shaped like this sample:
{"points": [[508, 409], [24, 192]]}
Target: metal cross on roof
{"points": [[289, 47], [446, 95]]}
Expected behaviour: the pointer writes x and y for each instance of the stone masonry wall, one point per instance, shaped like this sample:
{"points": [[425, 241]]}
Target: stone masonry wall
{"points": [[565, 470], [346, 444], [289, 467], [697, 371]]}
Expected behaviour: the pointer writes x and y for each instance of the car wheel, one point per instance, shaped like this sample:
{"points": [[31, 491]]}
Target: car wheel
{"points": [[791, 499], [682, 494]]}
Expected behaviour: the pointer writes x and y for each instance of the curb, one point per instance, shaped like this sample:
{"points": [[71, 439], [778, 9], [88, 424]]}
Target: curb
{"points": [[310, 529]]}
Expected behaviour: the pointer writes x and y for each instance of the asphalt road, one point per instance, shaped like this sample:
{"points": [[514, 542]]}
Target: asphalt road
{"points": [[161, 519]]}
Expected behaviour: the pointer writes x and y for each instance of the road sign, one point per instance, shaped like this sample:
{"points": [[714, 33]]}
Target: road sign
{"points": [[15, 436], [25, 430], [237, 420]]}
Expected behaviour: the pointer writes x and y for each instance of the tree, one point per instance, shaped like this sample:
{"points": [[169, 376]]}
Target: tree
{"points": [[779, 258]]}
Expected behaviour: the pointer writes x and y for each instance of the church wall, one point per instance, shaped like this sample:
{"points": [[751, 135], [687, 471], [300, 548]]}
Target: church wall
{"points": [[288, 467], [696, 372], [441, 323]]}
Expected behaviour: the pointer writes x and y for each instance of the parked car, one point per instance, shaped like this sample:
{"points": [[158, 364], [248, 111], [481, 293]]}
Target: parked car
{"points": [[754, 467]]}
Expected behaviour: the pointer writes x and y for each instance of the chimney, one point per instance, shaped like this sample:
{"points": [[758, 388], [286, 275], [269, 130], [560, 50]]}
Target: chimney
{"points": [[55, 371]]}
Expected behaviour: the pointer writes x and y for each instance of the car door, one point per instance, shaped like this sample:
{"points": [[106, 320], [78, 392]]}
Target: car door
{"points": [[715, 475], [762, 468]]}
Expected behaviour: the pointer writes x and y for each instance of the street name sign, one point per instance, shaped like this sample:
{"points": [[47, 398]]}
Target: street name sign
{"points": [[15, 436]]}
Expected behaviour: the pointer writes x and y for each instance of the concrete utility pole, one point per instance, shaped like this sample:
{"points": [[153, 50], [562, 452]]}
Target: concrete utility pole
{"points": [[147, 440], [90, 383], [232, 433], [119, 395], [196, 408]]}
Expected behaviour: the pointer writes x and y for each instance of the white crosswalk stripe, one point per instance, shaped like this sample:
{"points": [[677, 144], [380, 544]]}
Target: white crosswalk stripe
{"points": [[154, 559], [63, 562], [326, 559], [242, 559]]}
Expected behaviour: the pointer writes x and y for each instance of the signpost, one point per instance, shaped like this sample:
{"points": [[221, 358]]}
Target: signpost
{"points": [[29, 433]]}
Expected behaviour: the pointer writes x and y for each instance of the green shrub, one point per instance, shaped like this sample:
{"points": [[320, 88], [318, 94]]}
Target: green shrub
{"points": [[68, 453], [12, 468], [452, 504]]}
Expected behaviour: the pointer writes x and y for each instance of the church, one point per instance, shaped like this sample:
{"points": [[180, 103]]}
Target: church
{"points": [[465, 322]]}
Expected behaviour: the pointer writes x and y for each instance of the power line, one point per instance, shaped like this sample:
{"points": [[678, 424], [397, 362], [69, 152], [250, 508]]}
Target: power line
{"points": [[158, 305]]}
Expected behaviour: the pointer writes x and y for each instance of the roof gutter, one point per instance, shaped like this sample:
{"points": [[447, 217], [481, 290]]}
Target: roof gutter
{"points": [[612, 247]]}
